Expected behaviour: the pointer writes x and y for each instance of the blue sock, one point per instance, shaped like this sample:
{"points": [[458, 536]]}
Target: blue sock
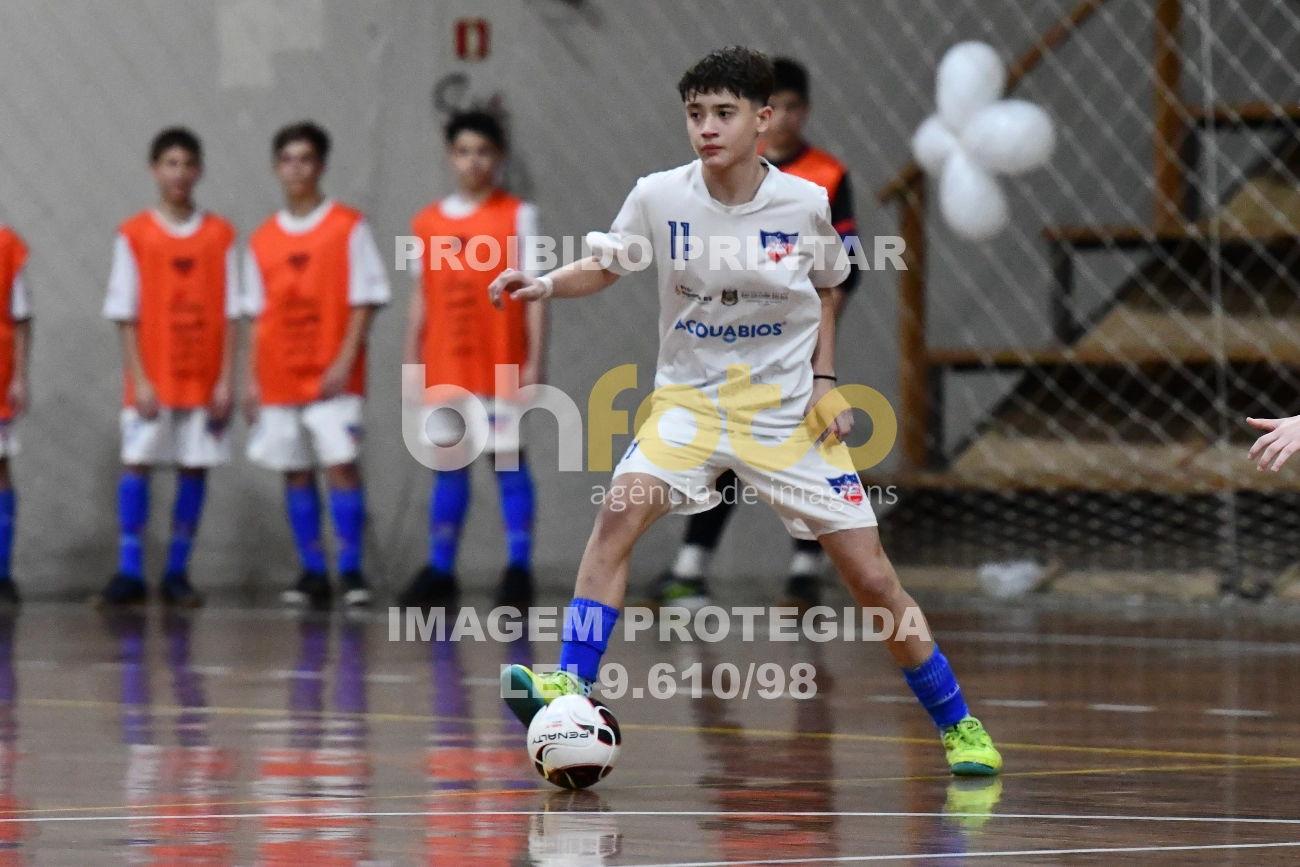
{"points": [[132, 518], [937, 690], [447, 507], [8, 506], [304, 517], [186, 511], [581, 652], [517, 506], [349, 511]]}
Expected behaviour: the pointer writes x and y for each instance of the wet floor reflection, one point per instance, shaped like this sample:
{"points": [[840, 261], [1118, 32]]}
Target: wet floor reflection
{"points": [[253, 738], [11, 833], [177, 781], [750, 773], [315, 779], [573, 829], [474, 769]]}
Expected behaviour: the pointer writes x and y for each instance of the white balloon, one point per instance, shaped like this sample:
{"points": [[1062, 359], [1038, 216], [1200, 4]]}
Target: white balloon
{"points": [[1009, 137], [971, 200], [971, 76], [933, 144]]}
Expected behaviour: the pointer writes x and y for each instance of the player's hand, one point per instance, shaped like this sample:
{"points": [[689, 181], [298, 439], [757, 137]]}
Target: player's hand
{"points": [[221, 402], [1281, 441], [335, 379], [146, 401], [252, 400], [18, 395], [843, 422], [518, 286]]}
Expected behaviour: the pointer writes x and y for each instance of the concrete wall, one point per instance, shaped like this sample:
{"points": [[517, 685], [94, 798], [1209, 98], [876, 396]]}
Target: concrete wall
{"points": [[589, 88]]}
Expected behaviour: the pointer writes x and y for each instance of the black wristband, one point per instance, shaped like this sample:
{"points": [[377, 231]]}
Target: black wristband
{"points": [[825, 376]]}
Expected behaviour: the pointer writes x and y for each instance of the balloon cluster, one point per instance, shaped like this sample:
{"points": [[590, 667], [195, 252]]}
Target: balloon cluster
{"points": [[976, 136]]}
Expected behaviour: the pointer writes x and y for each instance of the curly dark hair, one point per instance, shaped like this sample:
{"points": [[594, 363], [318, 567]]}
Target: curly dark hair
{"points": [[484, 123], [738, 70]]}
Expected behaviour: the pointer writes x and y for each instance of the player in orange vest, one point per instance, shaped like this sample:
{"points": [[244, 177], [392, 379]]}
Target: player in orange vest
{"points": [[174, 285], [15, 333], [313, 280], [460, 338], [785, 147]]}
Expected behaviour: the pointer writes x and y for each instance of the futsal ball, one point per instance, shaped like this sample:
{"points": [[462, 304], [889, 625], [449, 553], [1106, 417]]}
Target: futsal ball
{"points": [[574, 742]]}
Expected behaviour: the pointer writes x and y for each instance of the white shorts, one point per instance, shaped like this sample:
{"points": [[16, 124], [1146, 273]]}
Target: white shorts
{"points": [[175, 437], [814, 497], [9, 445], [443, 424], [321, 434]]}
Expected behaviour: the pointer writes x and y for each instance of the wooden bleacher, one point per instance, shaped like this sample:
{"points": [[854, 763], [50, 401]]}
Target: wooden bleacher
{"points": [[1124, 402]]}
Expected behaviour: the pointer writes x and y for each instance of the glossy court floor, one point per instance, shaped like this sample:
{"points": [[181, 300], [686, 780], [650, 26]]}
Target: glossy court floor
{"points": [[250, 737]]}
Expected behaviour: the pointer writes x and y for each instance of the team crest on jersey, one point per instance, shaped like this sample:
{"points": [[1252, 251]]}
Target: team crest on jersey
{"points": [[183, 265], [848, 486], [354, 432], [298, 261], [778, 245], [730, 297]]}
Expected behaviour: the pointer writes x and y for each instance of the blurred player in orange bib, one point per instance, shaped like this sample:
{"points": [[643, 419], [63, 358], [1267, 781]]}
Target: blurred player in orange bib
{"points": [[785, 147], [15, 334], [460, 338], [312, 282], [173, 286]]}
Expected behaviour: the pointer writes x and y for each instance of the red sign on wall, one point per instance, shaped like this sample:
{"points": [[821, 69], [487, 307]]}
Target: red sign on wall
{"points": [[473, 38]]}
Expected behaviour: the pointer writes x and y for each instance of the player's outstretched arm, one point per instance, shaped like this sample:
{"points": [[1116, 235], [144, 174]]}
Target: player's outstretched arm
{"points": [[1276, 446], [575, 280]]}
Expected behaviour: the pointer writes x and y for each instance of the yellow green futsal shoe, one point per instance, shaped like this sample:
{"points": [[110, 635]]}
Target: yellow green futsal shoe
{"points": [[970, 749], [526, 692]]}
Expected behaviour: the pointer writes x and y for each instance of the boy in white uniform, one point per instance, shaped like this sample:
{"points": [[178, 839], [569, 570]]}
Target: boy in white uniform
{"points": [[774, 314]]}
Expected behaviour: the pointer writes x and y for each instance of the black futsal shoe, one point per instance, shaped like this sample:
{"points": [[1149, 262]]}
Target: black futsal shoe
{"points": [[312, 591], [177, 592], [121, 591], [516, 588], [802, 592], [356, 591], [428, 589]]}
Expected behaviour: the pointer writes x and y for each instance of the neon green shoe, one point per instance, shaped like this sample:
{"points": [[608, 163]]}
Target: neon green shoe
{"points": [[526, 692], [970, 749]]}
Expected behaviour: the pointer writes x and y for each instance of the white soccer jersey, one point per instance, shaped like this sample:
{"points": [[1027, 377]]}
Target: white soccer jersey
{"points": [[743, 289]]}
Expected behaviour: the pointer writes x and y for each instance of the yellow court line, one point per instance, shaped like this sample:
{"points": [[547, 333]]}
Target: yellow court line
{"points": [[674, 729], [899, 739], [492, 793]]}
